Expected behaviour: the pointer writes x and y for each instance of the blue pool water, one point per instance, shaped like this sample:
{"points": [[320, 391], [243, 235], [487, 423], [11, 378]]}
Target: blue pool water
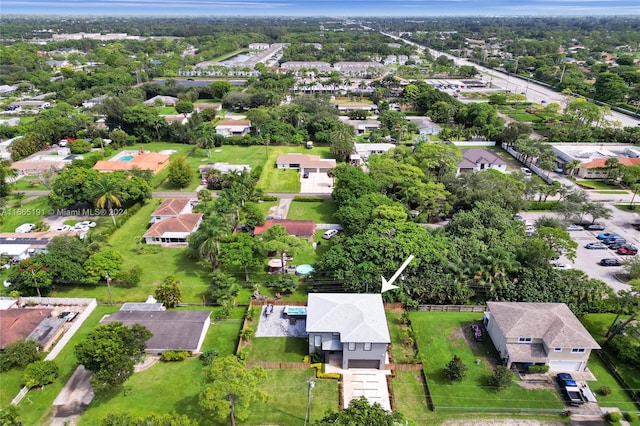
{"points": [[126, 158], [295, 310]]}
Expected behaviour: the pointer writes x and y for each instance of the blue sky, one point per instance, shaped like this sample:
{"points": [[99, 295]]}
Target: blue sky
{"points": [[323, 7]]}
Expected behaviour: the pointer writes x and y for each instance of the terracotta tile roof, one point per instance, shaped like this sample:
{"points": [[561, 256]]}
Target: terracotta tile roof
{"points": [[293, 227], [17, 324], [153, 161], [184, 223], [171, 207], [599, 163]]}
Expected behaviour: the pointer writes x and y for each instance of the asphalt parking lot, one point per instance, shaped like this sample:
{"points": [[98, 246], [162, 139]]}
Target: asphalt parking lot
{"points": [[587, 260]]}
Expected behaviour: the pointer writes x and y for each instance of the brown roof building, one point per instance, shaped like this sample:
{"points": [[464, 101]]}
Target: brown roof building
{"points": [[298, 228], [18, 324], [174, 230]]}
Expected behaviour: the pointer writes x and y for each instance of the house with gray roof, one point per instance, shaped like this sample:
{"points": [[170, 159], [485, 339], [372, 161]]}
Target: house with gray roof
{"points": [[351, 325], [172, 330], [538, 334], [478, 159]]}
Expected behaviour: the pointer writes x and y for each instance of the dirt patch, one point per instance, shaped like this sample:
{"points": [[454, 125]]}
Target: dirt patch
{"points": [[457, 337], [535, 385]]}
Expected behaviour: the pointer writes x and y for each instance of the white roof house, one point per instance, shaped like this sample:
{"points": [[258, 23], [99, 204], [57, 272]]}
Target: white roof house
{"points": [[228, 128]]}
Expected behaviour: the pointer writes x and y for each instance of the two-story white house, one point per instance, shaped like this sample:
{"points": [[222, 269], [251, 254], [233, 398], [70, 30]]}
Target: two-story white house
{"points": [[352, 326]]}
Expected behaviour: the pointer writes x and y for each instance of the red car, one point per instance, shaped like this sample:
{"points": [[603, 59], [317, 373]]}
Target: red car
{"points": [[628, 251]]}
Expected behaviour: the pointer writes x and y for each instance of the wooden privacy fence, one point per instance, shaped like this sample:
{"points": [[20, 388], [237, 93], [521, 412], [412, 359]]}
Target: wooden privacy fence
{"points": [[279, 365], [453, 308]]}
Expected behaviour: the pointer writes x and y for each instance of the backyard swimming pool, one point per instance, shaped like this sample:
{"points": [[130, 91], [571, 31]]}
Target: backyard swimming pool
{"points": [[296, 310], [126, 158]]}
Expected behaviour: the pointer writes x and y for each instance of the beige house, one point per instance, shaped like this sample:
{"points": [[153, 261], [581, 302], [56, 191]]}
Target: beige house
{"points": [[539, 333]]}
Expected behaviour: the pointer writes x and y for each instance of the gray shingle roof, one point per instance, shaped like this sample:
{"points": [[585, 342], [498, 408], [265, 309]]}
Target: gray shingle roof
{"points": [[357, 317], [554, 323], [172, 330]]}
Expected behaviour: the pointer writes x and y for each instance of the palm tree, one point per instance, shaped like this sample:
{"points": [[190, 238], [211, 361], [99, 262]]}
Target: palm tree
{"points": [[207, 239], [107, 194], [572, 166]]}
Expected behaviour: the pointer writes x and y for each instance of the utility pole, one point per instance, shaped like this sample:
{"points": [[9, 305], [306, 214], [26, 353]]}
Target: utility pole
{"points": [[108, 279], [311, 385]]}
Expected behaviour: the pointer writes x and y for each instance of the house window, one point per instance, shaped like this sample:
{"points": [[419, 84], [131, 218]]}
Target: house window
{"points": [[352, 346], [577, 350], [317, 340], [367, 346], [524, 340], [557, 349]]}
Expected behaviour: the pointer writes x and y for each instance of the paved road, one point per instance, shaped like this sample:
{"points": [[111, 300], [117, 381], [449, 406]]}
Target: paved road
{"points": [[534, 92]]}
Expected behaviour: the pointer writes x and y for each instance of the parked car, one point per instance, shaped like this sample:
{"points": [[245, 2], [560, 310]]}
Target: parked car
{"points": [[305, 175], [558, 265], [596, 246], [606, 235], [628, 251], [25, 228], [526, 171], [88, 223], [570, 389], [595, 227], [610, 241], [330, 233], [616, 246], [610, 262], [517, 217], [574, 228], [63, 228]]}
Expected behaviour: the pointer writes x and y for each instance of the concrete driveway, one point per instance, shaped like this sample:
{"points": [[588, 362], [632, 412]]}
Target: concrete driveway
{"points": [[316, 183]]}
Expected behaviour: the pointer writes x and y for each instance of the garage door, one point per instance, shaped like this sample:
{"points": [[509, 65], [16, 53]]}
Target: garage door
{"points": [[565, 365], [363, 363]]}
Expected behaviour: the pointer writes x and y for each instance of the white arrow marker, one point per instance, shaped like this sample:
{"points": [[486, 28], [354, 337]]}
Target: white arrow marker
{"points": [[388, 285]]}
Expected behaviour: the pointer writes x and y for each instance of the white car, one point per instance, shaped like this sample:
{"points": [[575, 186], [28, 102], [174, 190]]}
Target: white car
{"points": [[78, 227], [574, 228], [330, 233], [88, 223], [25, 228], [63, 228], [564, 266], [526, 171]]}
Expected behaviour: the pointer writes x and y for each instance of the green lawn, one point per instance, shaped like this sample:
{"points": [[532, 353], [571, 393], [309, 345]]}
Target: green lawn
{"points": [[598, 324], [166, 387], [35, 406], [156, 263], [30, 212], [402, 352], [276, 349], [319, 212], [28, 183], [440, 336], [11, 384], [265, 206], [279, 180], [619, 397], [596, 184], [611, 191]]}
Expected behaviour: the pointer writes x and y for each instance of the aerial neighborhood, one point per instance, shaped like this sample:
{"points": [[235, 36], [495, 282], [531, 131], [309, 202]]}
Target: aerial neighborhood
{"points": [[288, 221]]}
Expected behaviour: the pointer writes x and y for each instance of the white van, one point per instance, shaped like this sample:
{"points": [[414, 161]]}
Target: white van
{"points": [[25, 228], [330, 233]]}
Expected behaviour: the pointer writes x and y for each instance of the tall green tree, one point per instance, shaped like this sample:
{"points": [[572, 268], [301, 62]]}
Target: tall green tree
{"points": [[231, 389], [276, 239], [110, 352], [169, 292], [205, 242], [107, 194], [180, 172], [342, 140], [361, 412]]}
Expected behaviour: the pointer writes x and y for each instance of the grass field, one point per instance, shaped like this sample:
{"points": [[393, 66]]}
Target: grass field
{"points": [[156, 263], [30, 212], [166, 387], [11, 384], [319, 212], [276, 349], [596, 184], [440, 336], [281, 180], [35, 406], [28, 183]]}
